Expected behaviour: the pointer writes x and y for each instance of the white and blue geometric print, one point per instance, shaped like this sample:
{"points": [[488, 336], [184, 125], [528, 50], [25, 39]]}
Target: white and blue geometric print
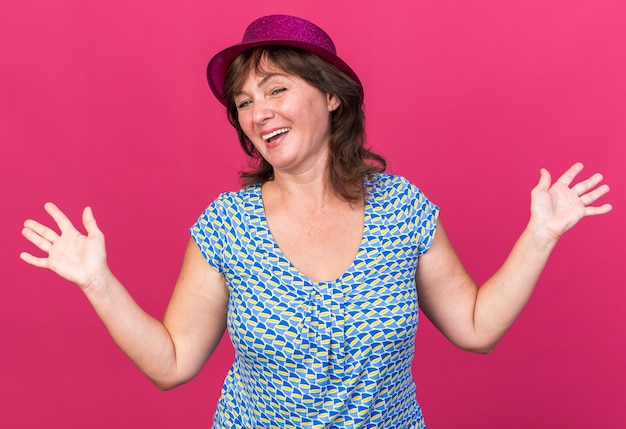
{"points": [[320, 354]]}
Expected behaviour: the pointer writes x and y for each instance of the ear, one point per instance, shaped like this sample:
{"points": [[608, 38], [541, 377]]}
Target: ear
{"points": [[332, 102]]}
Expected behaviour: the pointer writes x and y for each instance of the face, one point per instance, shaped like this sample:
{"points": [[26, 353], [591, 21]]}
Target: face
{"points": [[287, 120]]}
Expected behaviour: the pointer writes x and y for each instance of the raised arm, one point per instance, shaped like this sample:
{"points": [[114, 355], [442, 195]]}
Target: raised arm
{"points": [[476, 318], [169, 352]]}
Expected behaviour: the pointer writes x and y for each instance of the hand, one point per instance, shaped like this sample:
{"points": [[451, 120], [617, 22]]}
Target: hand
{"points": [[557, 207], [78, 258]]}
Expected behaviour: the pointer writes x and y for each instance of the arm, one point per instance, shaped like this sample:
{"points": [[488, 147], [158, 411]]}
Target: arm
{"points": [[169, 352], [476, 318]]}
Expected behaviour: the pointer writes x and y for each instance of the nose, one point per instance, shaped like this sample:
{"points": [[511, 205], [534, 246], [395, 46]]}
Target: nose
{"points": [[262, 111]]}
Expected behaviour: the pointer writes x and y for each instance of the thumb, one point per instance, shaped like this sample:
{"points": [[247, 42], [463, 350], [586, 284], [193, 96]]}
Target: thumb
{"points": [[545, 180], [89, 221]]}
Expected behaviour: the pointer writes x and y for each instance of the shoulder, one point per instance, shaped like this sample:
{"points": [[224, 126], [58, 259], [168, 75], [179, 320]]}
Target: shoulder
{"points": [[396, 196], [229, 208], [237, 200], [389, 186]]}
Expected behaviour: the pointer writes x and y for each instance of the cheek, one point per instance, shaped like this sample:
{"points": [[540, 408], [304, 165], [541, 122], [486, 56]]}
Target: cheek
{"points": [[245, 124], [316, 113]]}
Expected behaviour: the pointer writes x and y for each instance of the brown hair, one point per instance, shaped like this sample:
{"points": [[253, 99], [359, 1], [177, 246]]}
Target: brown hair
{"points": [[349, 160]]}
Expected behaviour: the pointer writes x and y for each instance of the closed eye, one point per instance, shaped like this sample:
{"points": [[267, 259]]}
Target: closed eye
{"points": [[243, 104], [278, 91]]}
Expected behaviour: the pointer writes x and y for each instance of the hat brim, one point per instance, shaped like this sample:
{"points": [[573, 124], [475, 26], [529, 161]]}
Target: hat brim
{"points": [[218, 66]]}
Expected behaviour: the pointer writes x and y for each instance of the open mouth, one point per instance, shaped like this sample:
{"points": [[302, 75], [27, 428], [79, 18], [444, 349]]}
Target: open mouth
{"points": [[275, 134]]}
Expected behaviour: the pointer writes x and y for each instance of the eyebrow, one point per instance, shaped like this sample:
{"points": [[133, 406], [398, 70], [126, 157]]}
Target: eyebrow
{"points": [[266, 77]]}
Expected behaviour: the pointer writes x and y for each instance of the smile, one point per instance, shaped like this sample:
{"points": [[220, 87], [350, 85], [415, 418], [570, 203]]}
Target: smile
{"points": [[270, 136]]}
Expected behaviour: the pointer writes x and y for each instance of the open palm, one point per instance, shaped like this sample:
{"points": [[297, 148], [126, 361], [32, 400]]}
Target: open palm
{"points": [[76, 257], [558, 206]]}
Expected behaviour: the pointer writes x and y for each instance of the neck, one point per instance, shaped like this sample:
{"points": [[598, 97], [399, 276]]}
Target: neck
{"points": [[311, 190]]}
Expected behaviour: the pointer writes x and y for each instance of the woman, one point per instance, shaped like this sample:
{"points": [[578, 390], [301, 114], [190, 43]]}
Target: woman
{"points": [[317, 263]]}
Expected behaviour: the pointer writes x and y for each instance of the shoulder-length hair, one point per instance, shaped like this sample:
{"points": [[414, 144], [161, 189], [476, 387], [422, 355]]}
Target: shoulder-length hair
{"points": [[349, 160]]}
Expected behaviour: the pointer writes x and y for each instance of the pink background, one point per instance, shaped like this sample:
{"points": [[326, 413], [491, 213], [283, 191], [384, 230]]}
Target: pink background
{"points": [[106, 104]]}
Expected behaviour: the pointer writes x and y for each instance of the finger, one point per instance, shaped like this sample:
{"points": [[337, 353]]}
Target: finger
{"points": [[59, 217], [38, 240], [568, 177], [42, 230], [592, 196], [33, 260], [586, 185], [595, 211], [89, 221]]}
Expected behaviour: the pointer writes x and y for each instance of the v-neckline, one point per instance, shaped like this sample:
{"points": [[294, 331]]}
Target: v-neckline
{"points": [[292, 267]]}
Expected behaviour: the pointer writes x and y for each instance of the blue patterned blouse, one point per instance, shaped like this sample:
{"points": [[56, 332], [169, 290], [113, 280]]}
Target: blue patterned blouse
{"points": [[320, 354]]}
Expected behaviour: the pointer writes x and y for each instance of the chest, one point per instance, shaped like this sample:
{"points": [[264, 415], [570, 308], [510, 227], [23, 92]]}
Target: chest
{"points": [[280, 317], [277, 311], [320, 246]]}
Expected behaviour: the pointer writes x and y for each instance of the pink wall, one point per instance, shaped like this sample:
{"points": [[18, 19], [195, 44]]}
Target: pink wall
{"points": [[105, 103]]}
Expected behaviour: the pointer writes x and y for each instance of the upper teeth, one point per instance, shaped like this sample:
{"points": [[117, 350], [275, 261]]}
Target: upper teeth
{"points": [[266, 137]]}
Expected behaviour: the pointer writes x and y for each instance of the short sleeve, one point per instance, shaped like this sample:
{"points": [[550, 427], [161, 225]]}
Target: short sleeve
{"points": [[209, 234], [426, 214]]}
